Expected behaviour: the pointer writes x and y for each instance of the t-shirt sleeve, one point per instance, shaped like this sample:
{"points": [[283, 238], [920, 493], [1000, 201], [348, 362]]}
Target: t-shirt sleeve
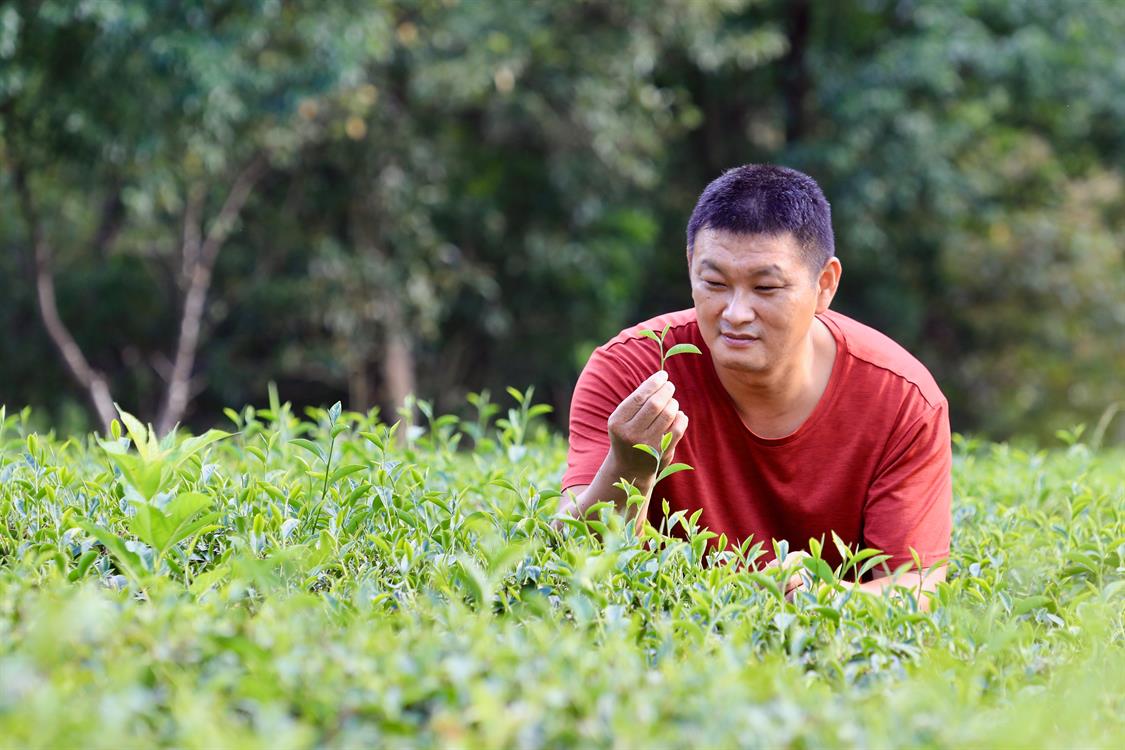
{"points": [[602, 386], [908, 505]]}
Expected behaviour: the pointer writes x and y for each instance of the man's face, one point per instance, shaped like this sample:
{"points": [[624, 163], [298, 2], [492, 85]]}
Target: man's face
{"points": [[755, 298]]}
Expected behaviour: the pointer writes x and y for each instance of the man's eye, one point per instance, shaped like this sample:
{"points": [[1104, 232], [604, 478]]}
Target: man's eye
{"points": [[767, 288], [714, 284]]}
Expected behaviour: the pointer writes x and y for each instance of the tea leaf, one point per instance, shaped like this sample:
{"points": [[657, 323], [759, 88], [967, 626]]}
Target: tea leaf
{"points": [[310, 446], [671, 469], [820, 569], [682, 349], [1025, 605]]}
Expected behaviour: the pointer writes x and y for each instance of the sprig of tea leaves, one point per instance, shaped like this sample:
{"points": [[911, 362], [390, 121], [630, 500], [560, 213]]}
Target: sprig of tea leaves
{"points": [[665, 355]]}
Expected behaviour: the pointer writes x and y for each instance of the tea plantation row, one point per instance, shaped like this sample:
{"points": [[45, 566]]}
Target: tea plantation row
{"points": [[334, 582]]}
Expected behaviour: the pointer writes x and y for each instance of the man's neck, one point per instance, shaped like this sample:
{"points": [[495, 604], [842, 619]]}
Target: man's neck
{"points": [[774, 404]]}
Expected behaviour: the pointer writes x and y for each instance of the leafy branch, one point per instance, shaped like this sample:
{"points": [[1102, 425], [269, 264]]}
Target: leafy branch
{"points": [[325, 458]]}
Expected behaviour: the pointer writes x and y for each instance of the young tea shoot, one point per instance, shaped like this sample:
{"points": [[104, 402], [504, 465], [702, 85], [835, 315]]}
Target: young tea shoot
{"points": [[666, 438], [665, 355]]}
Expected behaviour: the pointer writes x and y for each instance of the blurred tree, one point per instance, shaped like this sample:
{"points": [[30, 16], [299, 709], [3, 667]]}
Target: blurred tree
{"points": [[140, 128], [492, 179], [439, 195], [973, 153]]}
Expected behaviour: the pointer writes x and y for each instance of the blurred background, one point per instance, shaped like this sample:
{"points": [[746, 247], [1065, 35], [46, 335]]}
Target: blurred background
{"points": [[361, 200]]}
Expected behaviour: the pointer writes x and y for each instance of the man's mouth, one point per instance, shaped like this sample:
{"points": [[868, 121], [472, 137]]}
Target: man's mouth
{"points": [[738, 339]]}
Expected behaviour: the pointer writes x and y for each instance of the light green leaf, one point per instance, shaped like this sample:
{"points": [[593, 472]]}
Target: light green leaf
{"points": [[671, 469], [860, 556], [128, 562], [205, 581], [1025, 605], [875, 560], [841, 547], [820, 569], [769, 584], [163, 529], [343, 471], [84, 564], [310, 446], [143, 437], [825, 611], [473, 580], [598, 507], [682, 349], [195, 444]]}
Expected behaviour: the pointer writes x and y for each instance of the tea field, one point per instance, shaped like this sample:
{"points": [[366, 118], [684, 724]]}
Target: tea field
{"points": [[323, 580]]}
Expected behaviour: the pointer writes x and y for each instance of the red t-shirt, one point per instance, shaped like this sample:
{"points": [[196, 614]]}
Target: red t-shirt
{"points": [[872, 462]]}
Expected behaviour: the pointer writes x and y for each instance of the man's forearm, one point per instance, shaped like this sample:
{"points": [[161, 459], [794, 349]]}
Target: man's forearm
{"points": [[604, 488], [911, 580]]}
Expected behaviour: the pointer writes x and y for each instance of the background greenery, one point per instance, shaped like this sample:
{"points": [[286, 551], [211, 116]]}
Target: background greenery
{"points": [[460, 195]]}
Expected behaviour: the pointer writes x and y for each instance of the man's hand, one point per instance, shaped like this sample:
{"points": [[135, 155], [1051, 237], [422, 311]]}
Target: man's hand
{"points": [[912, 580], [645, 416], [794, 560]]}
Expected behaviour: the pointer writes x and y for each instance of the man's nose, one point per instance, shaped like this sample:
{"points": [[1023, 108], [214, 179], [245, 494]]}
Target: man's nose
{"points": [[740, 309]]}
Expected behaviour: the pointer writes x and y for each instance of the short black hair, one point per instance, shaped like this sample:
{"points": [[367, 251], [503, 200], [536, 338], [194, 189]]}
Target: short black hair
{"points": [[767, 199]]}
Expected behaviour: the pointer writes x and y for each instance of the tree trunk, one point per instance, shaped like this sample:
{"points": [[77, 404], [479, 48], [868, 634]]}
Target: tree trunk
{"points": [[359, 387], [397, 362], [200, 265], [398, 358], [91, 380]]}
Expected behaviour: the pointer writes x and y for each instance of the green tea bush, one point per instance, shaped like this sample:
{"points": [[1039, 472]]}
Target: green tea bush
{"points": [[338, 582]]}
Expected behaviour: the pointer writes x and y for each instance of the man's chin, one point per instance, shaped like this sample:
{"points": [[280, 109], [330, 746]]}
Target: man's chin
{"points": [[734, 363]]}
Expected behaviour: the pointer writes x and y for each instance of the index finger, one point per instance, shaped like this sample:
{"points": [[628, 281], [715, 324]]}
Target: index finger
{"points": [[635, 400]]}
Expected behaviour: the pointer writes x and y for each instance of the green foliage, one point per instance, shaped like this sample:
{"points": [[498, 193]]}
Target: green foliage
{"points": [[426, 598], [977, 188]]}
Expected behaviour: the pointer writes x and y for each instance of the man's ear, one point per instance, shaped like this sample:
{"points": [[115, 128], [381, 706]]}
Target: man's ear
{"points": [[827, 283]]}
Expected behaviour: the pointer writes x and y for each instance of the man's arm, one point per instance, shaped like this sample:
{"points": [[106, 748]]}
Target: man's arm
{"points": [[918, 582], [908, 507], [577, 499], [907, 513], [643, 417]]}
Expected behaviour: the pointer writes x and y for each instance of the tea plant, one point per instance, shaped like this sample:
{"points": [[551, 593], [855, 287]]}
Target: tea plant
{"points": [[329, 583]]}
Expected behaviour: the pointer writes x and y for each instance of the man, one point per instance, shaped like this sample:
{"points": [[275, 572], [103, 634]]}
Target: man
{"points": [[803, 422]]}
